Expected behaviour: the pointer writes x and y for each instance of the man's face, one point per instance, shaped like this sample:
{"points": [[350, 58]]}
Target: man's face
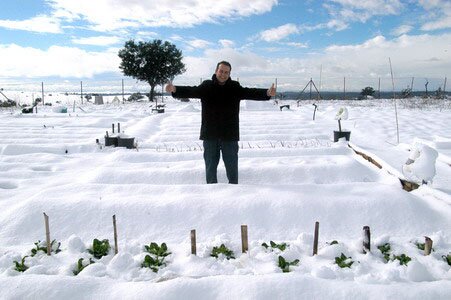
{"points": [[222, 73]]}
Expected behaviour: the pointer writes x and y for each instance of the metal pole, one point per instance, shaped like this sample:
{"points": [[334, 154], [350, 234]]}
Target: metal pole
{"points": [[444, 87], [311, 88], [379, 88], [394, 99], [81, 91], [123, 98], [42, 89], [344, 88], [320, 77]]}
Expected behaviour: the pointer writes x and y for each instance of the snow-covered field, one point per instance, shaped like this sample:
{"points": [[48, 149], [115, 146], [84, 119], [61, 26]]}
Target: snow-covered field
{"points": [[292, 174]]}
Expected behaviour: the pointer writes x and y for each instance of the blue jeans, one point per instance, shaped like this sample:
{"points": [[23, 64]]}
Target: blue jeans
{"points": [[212, 150]]}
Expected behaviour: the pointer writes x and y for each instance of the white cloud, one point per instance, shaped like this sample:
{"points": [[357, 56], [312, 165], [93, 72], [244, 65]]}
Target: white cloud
{"points": [[439, 14], [109, 15], [374, 7], [346, 11], [41, 24], [17, 61], [278, 33], [198, 43], [419, 56], [403, 29], [412, 56], [97, 40], [147, 34], [443, 23], [297, 45], [226, 43]]}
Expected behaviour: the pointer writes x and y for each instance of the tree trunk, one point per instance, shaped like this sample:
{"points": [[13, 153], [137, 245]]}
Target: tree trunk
{"points": [[152, 92]]}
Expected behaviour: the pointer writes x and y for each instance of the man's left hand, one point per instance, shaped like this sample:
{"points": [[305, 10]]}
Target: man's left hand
{"points": [[271, 91]]}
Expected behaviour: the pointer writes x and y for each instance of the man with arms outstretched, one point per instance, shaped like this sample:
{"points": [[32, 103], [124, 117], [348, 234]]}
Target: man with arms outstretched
{"points": [[220, 99]]}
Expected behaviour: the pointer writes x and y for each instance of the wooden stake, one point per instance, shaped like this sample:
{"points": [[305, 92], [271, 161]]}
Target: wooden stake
{"points": [[115, 235], [366, 239], [315, 239], [193, 242], [47, 234], [427, 245], [244, 239]]}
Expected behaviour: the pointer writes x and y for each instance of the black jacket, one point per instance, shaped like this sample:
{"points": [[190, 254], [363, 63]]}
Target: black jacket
{"points": [[220, 106]]}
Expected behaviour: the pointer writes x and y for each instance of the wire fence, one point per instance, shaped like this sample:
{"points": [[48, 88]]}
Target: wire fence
{"points": [[288, 87]]}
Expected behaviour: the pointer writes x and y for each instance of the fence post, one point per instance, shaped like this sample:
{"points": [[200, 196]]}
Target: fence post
{"points": [[42, 90], [193, 242], [366, 239], [244, 239], [116, 250], [315, 239], [427, 245], [47, 234]]}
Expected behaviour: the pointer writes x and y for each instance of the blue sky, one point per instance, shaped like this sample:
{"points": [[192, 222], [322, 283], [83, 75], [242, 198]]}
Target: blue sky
{"points": [[65, 41]]}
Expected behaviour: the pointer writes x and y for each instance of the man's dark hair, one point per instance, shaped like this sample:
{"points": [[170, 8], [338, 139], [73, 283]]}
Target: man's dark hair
{"points": [[226, 63]]}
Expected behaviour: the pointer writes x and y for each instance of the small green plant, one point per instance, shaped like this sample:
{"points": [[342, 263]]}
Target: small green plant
{"points": [[385, 249], [161, 251], [421, 246], [42, 246], [216, 251], [447, 258], [285, 265], [81, 266], [100, 248], [343, 261], [21, 267], [403, 259], [157, 257], [153, 263], [273, 245]]}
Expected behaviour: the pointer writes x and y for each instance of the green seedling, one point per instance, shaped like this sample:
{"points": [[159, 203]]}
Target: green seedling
{"points": [[42, 246], [343, 261], [216, 251], [403, 259], [421, 246], [281, 247], [385, 249], [81, 266], [285, 265], [154, 249], [100, 248], [153, 263], [21, 267], [447, 258], [155, 260]]}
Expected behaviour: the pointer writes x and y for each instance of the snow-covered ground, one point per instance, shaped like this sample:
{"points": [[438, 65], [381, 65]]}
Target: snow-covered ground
{"points": [[292, 174]]}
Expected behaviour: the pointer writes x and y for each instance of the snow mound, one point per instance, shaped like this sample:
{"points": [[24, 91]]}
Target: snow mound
{"points": [[420, 166]]}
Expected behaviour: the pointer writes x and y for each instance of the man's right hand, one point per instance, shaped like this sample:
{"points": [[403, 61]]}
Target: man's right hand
{"points": [[170, 88]]}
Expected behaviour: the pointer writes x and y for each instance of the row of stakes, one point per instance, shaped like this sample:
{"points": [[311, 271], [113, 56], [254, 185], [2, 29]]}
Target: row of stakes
{"points": [[366, 247]]}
